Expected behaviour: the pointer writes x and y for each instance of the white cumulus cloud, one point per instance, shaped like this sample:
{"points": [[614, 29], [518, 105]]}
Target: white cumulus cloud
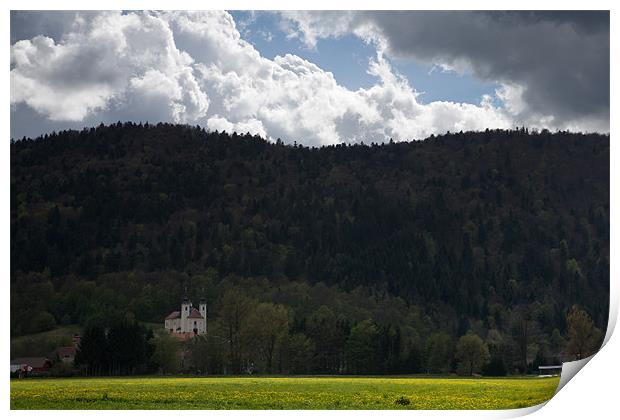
{"points": [[195, 67]]}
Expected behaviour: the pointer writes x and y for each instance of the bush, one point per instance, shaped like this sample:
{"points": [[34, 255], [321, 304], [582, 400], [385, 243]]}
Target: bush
{"points": [[61, 369], [495, 367], [42, 321], [65, 320], [402, 401]]}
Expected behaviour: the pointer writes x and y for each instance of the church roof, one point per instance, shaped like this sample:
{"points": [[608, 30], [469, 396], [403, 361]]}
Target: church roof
{"points": [[174, 315], [195, 314]]}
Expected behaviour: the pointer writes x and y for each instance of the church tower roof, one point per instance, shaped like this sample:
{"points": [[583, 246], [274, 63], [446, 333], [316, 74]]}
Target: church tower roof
{"points": [[185, 298]]}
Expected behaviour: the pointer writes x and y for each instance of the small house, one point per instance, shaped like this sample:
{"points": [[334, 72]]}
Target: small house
{"points": [[65, 354]]}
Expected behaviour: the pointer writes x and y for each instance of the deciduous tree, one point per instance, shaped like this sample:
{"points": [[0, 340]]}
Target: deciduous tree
{"points": [[584, 339], [472, 353]]}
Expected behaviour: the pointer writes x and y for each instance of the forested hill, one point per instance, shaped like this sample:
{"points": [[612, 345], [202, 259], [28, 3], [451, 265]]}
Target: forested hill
{"points": [[457, 225]]}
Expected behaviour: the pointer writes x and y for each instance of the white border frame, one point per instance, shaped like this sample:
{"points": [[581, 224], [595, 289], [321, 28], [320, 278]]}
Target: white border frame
{"points": [[593, 393]]}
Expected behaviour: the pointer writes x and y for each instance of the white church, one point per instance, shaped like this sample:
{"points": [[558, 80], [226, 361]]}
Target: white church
{"points": [[189, 321]]}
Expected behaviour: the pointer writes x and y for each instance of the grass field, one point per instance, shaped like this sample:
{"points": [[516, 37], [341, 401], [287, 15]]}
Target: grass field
{"points": [[281, 393]]}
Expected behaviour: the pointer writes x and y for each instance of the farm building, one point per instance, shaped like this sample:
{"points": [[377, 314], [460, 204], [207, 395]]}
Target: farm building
{"points": [[189, 321], [548, 371], [35, 365], [64, 354]]}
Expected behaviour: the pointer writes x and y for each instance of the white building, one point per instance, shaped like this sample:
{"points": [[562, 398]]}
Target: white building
{"points": [[189, 321]]}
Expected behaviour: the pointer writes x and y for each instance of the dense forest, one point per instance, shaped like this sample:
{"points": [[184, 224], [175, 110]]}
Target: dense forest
{"points": [[362, 258]]}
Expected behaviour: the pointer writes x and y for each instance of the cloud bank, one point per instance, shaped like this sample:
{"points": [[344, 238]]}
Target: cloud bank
{"points": [[553, 66], [77, 69]]}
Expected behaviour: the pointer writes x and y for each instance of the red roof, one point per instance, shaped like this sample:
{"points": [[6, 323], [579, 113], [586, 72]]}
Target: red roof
{"points": [[65, 352], [174, 315], [195, 314], [34, 362]]}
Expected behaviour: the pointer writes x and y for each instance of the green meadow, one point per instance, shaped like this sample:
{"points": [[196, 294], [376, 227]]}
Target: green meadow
{"points": [[281, 393]]}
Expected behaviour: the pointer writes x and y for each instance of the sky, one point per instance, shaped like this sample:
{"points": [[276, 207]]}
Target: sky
{"points": [[311, 77]]}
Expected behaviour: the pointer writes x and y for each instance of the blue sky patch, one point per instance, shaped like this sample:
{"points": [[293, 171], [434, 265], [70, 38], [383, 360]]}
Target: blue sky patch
{"points": [[347, 59]]}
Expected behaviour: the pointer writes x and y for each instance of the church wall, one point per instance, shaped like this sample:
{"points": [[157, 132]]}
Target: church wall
{"points": [[186, 324]]}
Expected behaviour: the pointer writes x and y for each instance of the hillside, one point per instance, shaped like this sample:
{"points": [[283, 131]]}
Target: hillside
{"points": [[43, 343], [464, 229]]}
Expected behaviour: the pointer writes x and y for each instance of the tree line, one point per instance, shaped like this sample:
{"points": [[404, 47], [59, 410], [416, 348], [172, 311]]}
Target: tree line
{"points": [[497, 232], [252, 337]]}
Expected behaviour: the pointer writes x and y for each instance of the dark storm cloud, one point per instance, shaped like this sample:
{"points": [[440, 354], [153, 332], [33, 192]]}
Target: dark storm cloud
{"points": [[590, 21], [26, 24], [560, 58]]}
